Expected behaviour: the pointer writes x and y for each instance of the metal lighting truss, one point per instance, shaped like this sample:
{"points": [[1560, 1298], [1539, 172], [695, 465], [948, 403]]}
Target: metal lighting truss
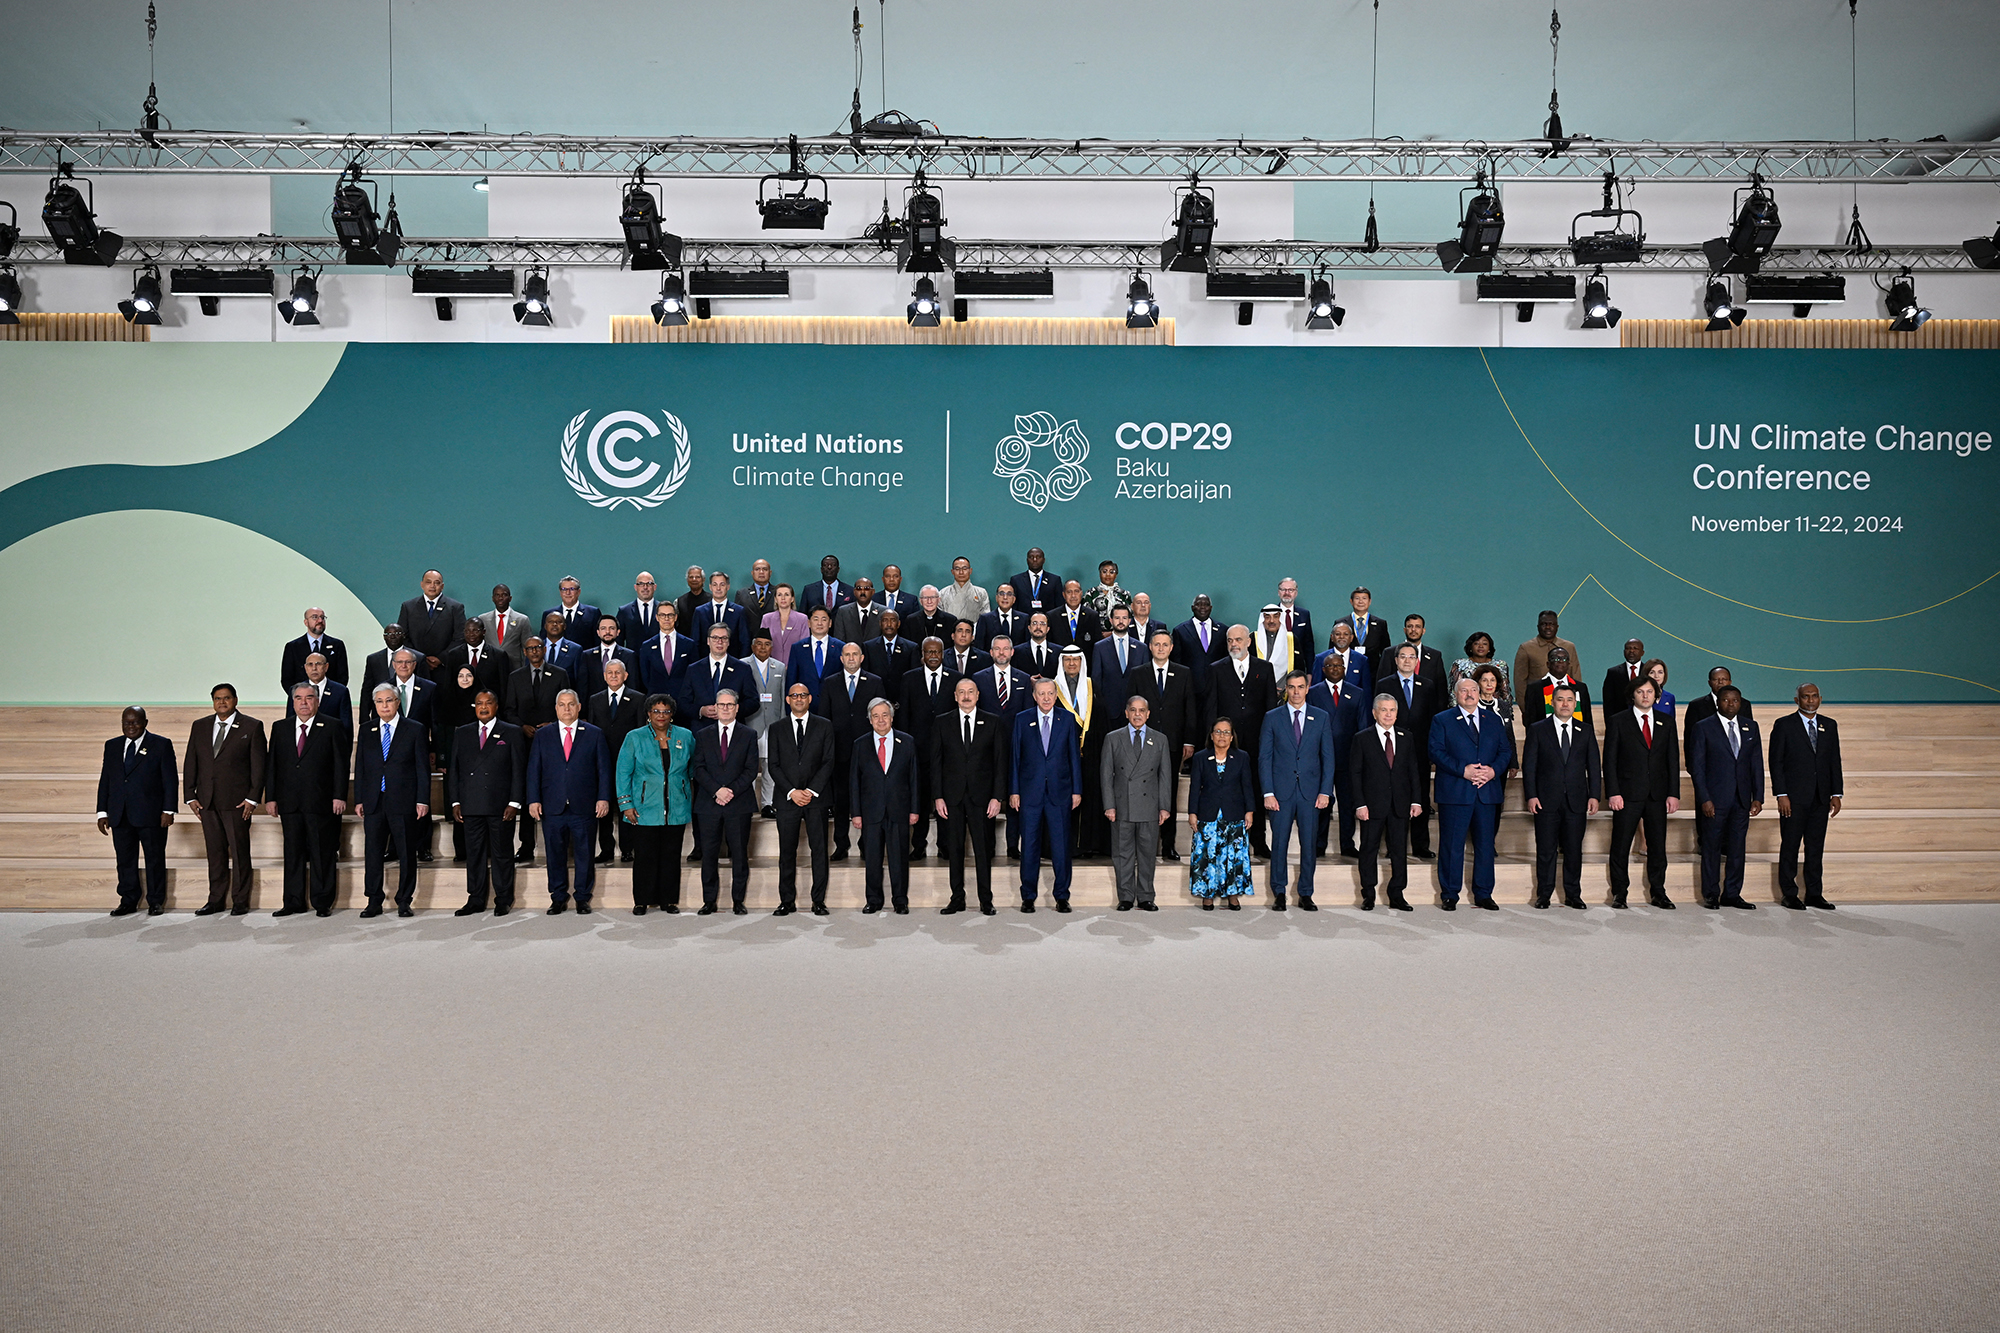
{"points": [[947, 157], [1266, 256]]}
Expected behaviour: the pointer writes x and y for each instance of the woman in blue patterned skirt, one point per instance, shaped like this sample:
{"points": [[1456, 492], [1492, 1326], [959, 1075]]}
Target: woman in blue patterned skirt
{"points": [[1220, 799]]}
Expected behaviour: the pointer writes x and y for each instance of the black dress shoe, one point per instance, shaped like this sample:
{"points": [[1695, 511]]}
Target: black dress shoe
{"points": [[1486, 904], [783, 909], [1741, 903], [1541, 904], [704, 910], [583, 909], [694, 858], [1449, 904], [557, 909], [1618, 902], [1308, 905], [601, 859], [672, 909], [1027, 907], [951, 909], [425, 857], [1062, 905], [838, 854], [904, 910], [1170, 856], [124, 909], [373, 909], [503, 909], [1711, 903], [870, 910], [639, 909], [738, 909], [239, 911], [1820, 903], [1660, 900], [1208, 904], [156, 911], [1350, 854], [820, 909], [988, 911], [1124, 906], [1425, 856], [326, 911], [522, 858], [625, 858], [1401, 905], [1277, 903], [404, 911], [288, 911], [1792, 903], [209, 909], [1149, 907], [1234, 904], [1577, 903], [769, 812], [474, 909]]}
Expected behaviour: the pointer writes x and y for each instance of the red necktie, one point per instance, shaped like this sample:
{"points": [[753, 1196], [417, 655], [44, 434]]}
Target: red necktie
{"points": [[1646, 729], [500, 629], [1389, 748], [882, 751], [568, 735], [302, 738]]}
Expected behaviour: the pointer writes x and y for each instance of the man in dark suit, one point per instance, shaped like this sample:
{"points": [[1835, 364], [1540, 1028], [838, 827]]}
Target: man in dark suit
{"points": [[1295, 775], [636, 619], [1352, 662], [760, 597], [375, 669], [843, 701], [1344, 707], [570, 788], [1692, 714], [615, 710], [488, 784], [305, 790], [664, 656], [558, 649], [961, 656], [135, 807], [1561, 778], [1116, 653], [1173, 706], [1417, 702], [531, 704], [392, 780], [801, 749], [1728, 770], [704, 681], [1371, 632], [967, 765], [1807, 781], [607, 649], [697, 593], [1642, 783], [222, 783], [292, 666], [1242, 689], [816, 656], [883, 778], [1618, 682], [861, 619], [893, 596], [925, 692], [1006, 693], [490, 669], [1431, 662], [1200, 642], [1388, 793], [1005, 618], [1533, 696], [432, 623], [336, 707], [579, 618], [1472, 752], [724, 772], [1040, 657], [417, 699], [1144, 626], [1296, 621], [1035, 588], [889, 655], [720, 610], [1072, 624], [929, 620], [1045, 783], [829, 592]]}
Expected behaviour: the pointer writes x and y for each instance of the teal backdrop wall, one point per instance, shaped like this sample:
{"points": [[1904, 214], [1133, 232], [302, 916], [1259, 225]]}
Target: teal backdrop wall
{"points": [[169, 511]]}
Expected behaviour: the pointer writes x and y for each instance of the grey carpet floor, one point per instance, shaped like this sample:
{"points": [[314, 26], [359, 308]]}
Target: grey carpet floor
{"points": [[1529, 1120]]}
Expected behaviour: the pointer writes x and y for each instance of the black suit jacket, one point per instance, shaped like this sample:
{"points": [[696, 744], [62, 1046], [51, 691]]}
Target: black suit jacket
{"points": [[877, 796], [938, 625], [1088, 630], [636, 624], [1177, 712], [1243, 702], [1387, 792], [292, 669], [1051, 597], [968, 775], [1546, 778], [1012, 623], [849, 717], [975, 661], [432, 634], [616, 724], [889, 660], [138, 797], [1633, 771], [530, 703], [1190, 654], [311, 782], [593, 670], [1374, 642], [375, 670], [1020, 692], [1047, 666], [483, 783], [335, 705], [1426, 700], [757, 605], [1799, 771], [407, 770], [712, 770], [1693, 712], [1617, 690], [794, 767], [918, 706], [579, 627]]}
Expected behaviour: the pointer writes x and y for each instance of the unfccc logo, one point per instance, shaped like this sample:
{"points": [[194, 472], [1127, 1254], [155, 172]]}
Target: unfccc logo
{"points": [[617, 471]]}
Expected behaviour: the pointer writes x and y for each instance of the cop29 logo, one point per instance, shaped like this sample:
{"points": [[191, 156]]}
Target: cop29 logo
{"points": [[605, 464], [1056, 473]]}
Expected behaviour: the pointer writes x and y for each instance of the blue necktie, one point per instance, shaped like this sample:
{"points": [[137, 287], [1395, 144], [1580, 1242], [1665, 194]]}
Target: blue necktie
{"points": [[819, 658], [387, 735], [1406, 692]]}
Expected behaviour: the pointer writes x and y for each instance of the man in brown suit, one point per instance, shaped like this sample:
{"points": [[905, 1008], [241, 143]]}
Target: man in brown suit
{"points": [[222, 783]]}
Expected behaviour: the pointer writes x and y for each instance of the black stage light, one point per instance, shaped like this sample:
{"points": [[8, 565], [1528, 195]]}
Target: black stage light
{"points": [[714, 284], [1037, 284], [210, 305], [1480, 225], [72, 222], [1598, 312], [1983, 251], [923, 247], [1256, 287], [533, 307], [301, 308], [1141, 310], [1801, 294], [211, 283], [671, 310], [1722, 311], [1321, 312], [924, 310], [144, 307], [1614, 244], [10, 230], [10, 296], [457, 282], [1905, 314], [1752, 235], [794, 210], [648, 244], [446, 311], [361, 233], [1194, 231], [1245, 312]]}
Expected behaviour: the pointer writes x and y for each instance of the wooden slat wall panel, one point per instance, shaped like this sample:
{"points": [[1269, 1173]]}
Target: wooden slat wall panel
{"points": [[859, 329], [84, 327], [1939, 334]]}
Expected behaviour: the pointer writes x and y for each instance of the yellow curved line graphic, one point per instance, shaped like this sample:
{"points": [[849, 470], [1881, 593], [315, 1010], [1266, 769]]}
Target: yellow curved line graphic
{"points": [[1770, 666], [1748, 606]]}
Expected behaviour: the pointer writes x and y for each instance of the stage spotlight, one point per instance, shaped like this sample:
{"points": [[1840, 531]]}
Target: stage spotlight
{"points": [[1983, 251], [1194, 231], [533, 307], [1722, 311], [924, 248], [361, 233], [144, 307], [671, 310], [10, 296], [482, 185], [446, 311], [1905, 314], [1752, 235], [1321, 312], [1598, 312], [794, 211], [10, 230], [72, 222], [925, 310], [648, 244], [1141, 310], [301, 308], [1480, 225]]}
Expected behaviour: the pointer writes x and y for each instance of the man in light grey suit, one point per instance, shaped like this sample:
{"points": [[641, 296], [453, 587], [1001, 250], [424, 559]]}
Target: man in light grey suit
{"points": [[1137, 779], [506, 628], [769, 674]]}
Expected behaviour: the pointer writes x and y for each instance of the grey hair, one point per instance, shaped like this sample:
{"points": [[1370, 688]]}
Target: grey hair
{"points": [[731, 693], [380, 690], [307, 687], [879, 702], [400, 652], [572, 694]]}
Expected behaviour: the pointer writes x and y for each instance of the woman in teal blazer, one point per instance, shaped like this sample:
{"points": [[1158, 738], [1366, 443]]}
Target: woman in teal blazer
{"points": [[654, 797]]}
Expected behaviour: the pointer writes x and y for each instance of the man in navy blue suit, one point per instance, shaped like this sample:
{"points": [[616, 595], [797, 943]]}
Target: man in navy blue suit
{"points": [[1006, 691], [1346, 706], [606, 650], [559, 650], [1035, 588], [579, 618], [817, 656], [416, 699], [664, 656], [636, 617], [829, 592], [1353, 662], [724, 773], [1727, 764], [706, 678], [569, 790], [392, 787], [1295, 770], [1046, 785], [335, 705], [885, 794], [135, 806], [719, 609], [1473, 753]]}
